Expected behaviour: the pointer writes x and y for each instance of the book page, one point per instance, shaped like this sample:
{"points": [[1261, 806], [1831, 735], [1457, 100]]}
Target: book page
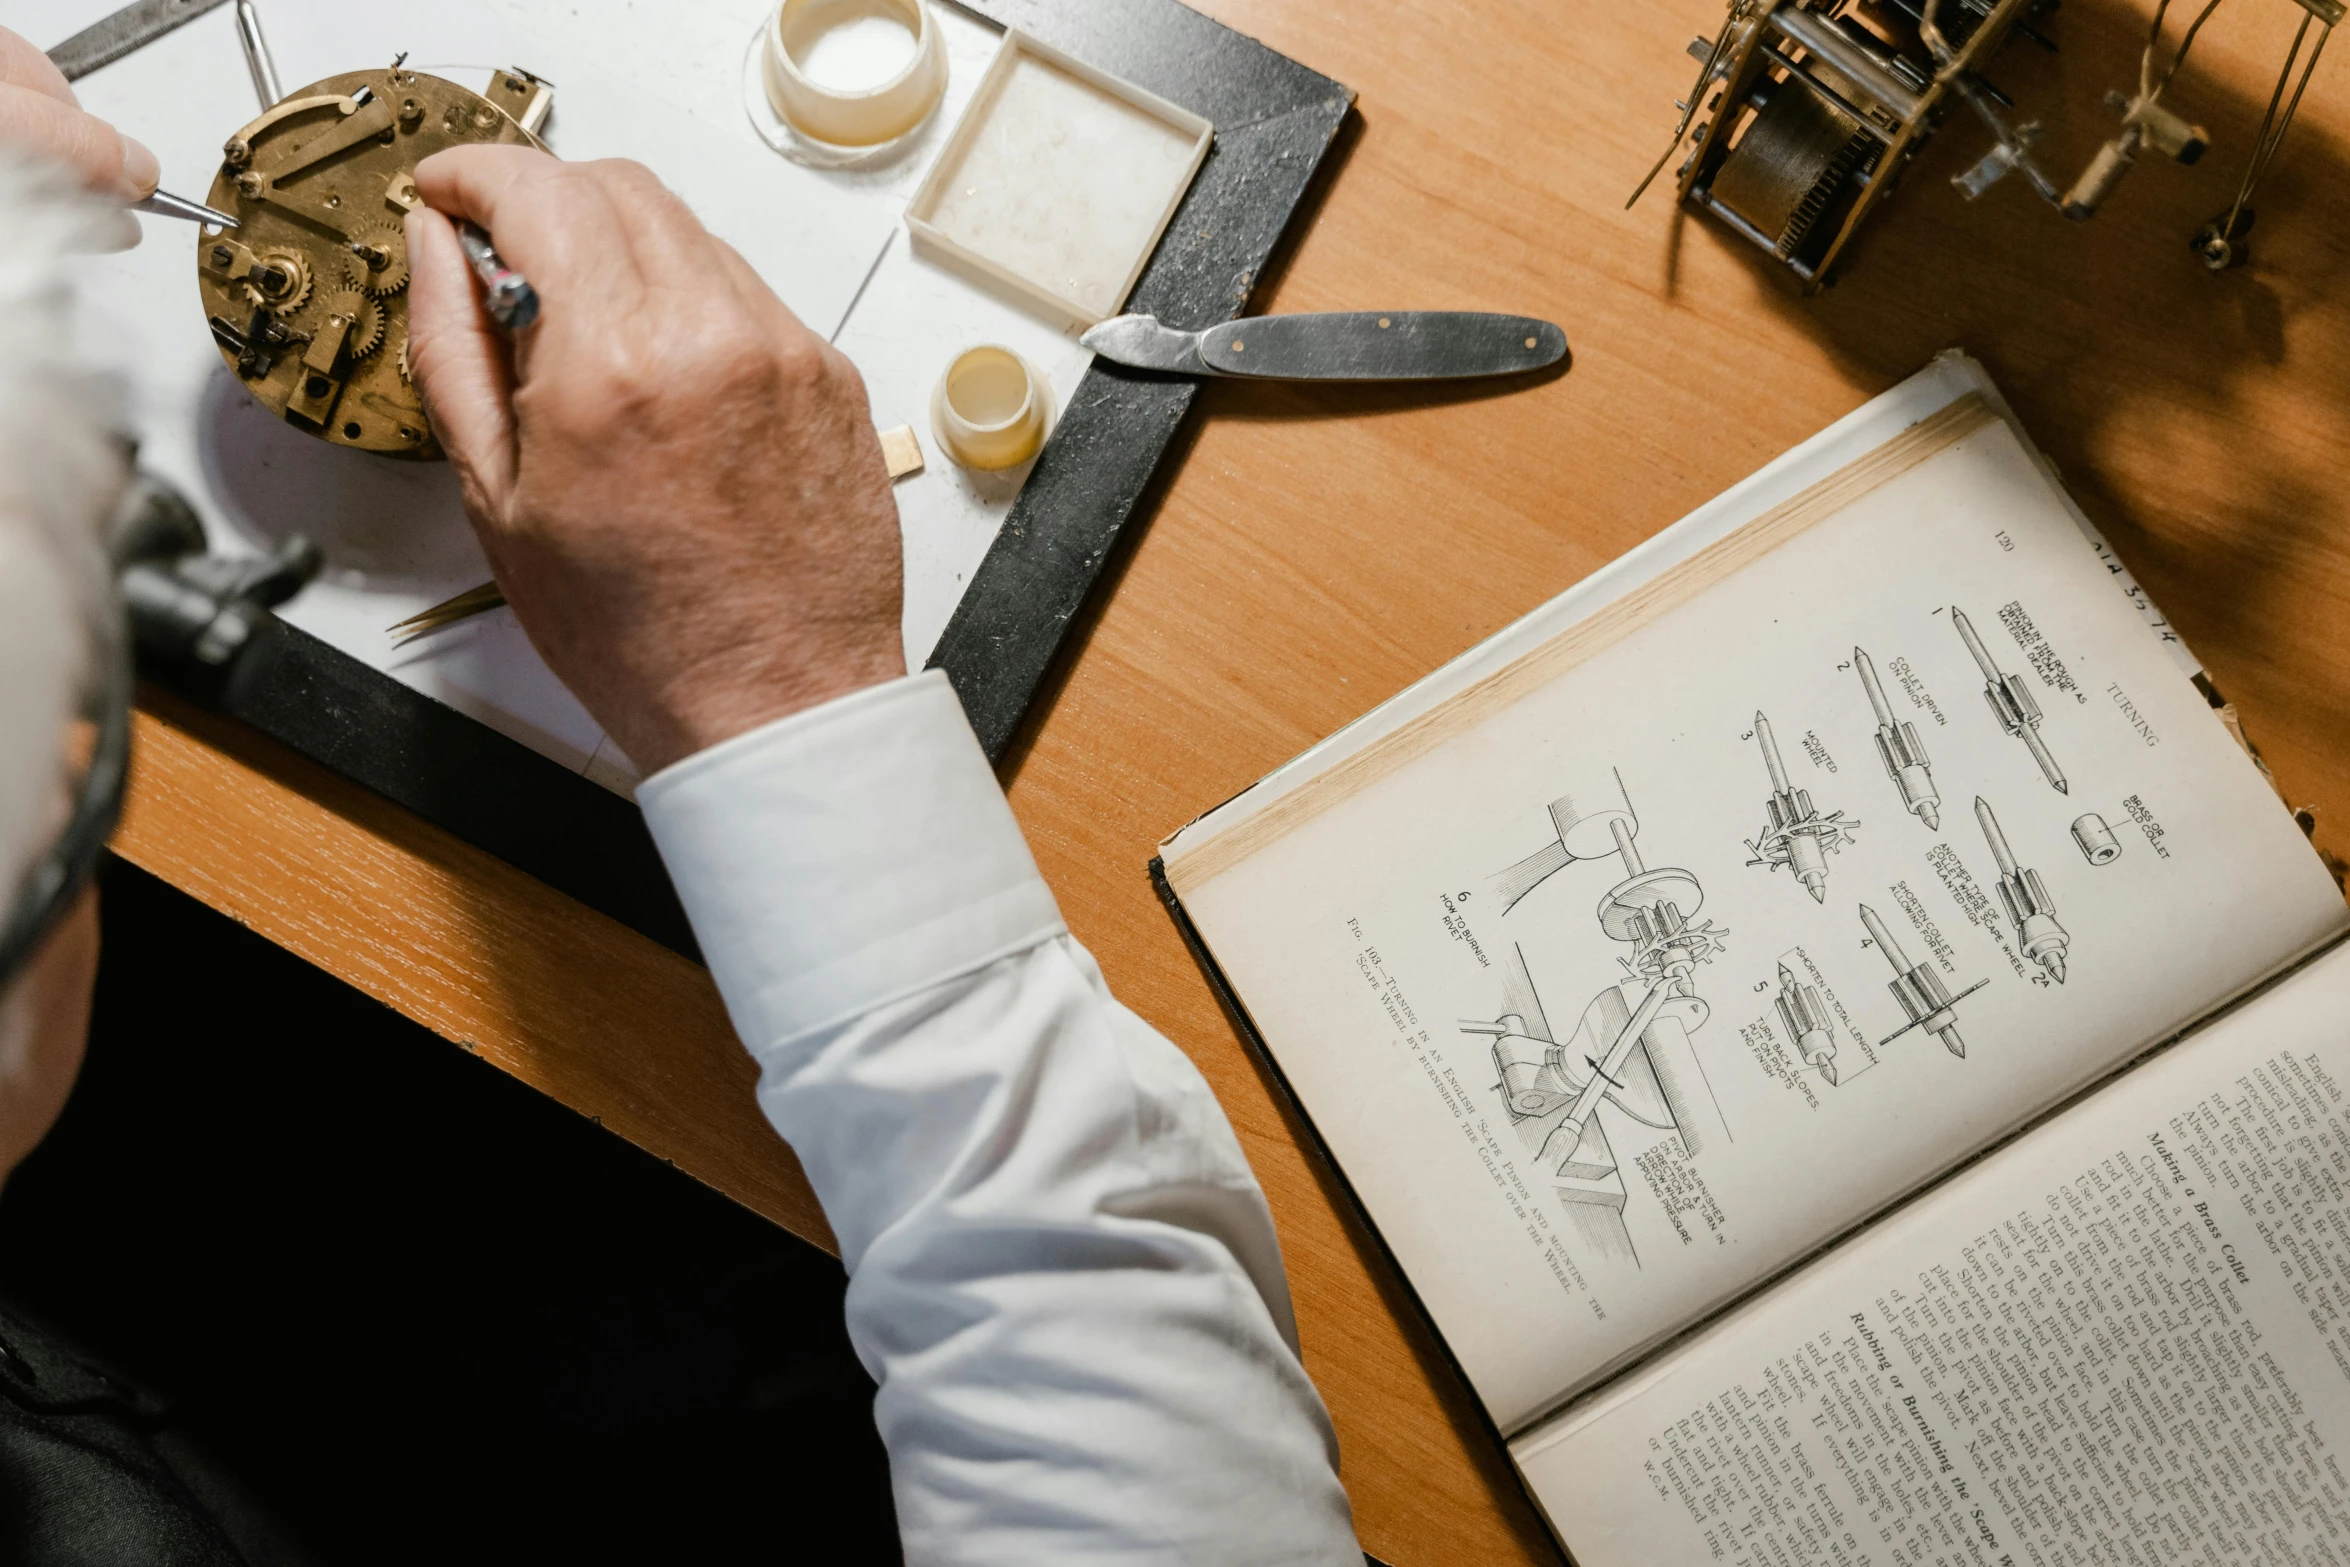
{"points": [[1720, 920], [2124, 1338], [1948, 378]]}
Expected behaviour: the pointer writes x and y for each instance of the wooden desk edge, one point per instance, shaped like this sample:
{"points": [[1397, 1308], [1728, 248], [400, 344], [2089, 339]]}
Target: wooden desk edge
{"points": [[579, 1006]]}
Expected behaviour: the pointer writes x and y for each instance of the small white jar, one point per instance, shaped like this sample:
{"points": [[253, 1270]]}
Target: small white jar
{"points": [[858, 117], [992, 409]]}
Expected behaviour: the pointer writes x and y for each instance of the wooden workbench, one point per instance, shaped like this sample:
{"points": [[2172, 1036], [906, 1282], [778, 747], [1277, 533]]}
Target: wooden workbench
{"points": [[1320, 549]]}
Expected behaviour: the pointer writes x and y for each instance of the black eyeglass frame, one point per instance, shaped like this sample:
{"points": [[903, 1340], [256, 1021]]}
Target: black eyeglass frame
{"points": [[50, 888]]}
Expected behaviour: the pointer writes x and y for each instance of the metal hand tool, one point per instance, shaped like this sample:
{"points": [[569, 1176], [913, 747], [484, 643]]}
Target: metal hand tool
{"points": [[1339, 345], [132, 27], [165, 205]]}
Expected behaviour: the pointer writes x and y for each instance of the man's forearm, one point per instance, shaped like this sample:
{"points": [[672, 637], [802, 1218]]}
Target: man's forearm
{"points": [[1062, 1273]]}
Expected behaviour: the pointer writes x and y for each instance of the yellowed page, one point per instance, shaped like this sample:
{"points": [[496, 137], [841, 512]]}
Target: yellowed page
{"points": [[2124, 1338], [1589, 1097]]}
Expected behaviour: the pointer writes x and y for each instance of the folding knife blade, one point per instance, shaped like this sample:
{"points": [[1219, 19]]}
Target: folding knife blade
{"points": [[1142, 342]]}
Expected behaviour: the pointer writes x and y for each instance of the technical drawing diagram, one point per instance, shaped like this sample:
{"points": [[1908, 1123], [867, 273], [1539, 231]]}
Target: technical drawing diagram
{"points": [[1796, 835], [2011, 702], [2029, 908], [2095, 840], [1902, 752], [1920, 990], [1628, 1059], [1541, 1081], [1807, 1023]]}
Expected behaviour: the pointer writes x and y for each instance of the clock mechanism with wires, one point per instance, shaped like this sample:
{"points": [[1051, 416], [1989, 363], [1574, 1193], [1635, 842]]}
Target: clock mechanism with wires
{"points": [[1806, 112]]}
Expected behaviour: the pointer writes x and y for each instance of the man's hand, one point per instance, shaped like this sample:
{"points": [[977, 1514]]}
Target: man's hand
{"points": [[39, 113], [677, 483]]}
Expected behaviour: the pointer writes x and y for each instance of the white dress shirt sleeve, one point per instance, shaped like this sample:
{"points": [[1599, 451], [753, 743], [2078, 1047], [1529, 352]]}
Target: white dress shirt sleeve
{"points": [[1062, 1274]]}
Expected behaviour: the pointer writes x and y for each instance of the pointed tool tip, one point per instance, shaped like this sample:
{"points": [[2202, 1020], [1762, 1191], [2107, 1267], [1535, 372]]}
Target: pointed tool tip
{"points": [[1828, 1071], [2062, 787], [1818, 891], [2056, 967], [1931, 817]]}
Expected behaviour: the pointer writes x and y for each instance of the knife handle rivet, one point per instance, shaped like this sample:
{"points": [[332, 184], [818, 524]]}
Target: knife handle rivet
{"points": [[1383, 323], [1238, 345], [1530, 342]]}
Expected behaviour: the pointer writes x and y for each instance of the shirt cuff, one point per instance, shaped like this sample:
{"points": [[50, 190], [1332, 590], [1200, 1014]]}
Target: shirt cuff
{"points": [[845, 857]]}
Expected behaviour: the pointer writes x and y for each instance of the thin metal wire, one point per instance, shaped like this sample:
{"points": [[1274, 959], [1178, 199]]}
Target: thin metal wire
{"points": [[1705, 74], [2291, 109], [2153, 43], [464, 606], [2272, 130], [2146, 84]]}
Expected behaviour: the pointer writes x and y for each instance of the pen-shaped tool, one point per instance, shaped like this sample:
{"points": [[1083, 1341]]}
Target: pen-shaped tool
{"points": [[259, 62], [2028, 905], [1920, 990], [1902, 752], [2011, 703], [164, 204], [506, 293]]}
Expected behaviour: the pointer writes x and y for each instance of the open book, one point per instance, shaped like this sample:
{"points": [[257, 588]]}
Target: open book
{"points": [[1645, 970]]}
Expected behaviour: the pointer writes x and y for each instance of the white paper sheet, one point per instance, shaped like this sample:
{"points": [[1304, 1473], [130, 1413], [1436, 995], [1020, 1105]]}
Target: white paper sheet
{"points": [[1375, 944], [1952, 375], [2120, 1339]]}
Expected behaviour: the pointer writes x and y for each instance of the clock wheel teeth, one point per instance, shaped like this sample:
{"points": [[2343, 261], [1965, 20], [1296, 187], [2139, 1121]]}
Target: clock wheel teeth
{"points": [[367, 333], [394, 276], [1795, 161], [402, 360], [367, 321], [287, 303]]}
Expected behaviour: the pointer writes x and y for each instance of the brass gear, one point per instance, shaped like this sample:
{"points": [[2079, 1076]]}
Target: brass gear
{"points": [[284, 301], [367, 320], [367, 333], [394, 276], [1795, 161]]}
